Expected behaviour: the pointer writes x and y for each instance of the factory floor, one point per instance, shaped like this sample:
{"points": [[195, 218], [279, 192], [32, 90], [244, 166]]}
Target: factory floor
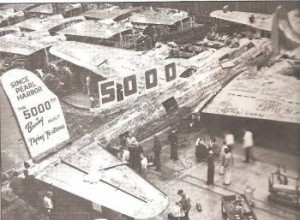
{"points": [[189, 175]]}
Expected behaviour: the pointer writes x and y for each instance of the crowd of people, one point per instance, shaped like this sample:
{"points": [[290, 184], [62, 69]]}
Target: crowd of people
{"points": [[205, 151], [210, 151], [133, 154]]}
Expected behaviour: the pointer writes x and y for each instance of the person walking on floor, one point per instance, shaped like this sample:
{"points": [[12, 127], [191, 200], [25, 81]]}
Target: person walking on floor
{"points": [[210, 168], [227, 164], [184, 203], [172, 137], [248, 144], [157, 150]]}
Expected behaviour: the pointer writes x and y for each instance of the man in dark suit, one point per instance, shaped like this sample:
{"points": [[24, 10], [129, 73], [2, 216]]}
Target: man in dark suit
{"points": [[157, 150], [184, 203]]}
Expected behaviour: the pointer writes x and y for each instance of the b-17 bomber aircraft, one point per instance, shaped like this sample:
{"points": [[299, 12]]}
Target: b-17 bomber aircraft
{"points": [[146, 92]]}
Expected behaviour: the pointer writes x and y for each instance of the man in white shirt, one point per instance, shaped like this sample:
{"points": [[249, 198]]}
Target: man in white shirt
{"points": [[134, 157], [144, 165], [229, 142], [229, 139], [48, 203], [248, 144], [131, 141], [125, 155]]}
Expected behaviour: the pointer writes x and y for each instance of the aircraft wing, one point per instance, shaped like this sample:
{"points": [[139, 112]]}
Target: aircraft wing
{"points": [[112, 63], [92, 57], [271, 95], [95, 175], [281, 19], [262, 21]]}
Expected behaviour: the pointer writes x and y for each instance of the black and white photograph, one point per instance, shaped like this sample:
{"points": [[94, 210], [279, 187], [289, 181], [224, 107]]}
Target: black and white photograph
{"points": [[150, 110]]}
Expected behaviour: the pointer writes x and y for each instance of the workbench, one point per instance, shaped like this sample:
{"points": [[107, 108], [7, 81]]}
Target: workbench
{"points": [[236, 207]]}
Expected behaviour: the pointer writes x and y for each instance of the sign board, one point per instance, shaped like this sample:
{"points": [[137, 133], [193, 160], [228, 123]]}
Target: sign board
{"points": [[109, 91], [37, 109]]}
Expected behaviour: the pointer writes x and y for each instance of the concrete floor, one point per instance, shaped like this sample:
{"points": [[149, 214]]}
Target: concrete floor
{"points": [[190, 176]]}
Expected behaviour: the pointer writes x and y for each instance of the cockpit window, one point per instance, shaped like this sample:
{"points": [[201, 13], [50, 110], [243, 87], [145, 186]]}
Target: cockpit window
{"points": [[187, 73], [250, 45]]}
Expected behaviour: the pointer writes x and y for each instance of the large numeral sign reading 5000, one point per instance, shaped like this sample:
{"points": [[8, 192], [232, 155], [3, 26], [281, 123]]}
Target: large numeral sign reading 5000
{"points": [[130, 85], [108, 89], [107, 92]]}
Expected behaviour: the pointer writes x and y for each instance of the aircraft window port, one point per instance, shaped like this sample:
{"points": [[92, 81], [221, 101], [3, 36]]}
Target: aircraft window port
{"points": [[250, 45], [170, 105], [259, 54], [187, 73], [102, 142], [224, 57]]}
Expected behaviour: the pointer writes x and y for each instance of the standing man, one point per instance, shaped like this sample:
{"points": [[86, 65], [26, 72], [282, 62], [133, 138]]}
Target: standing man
{"points": [[184, 203], [93, 101], [134, 157], [215, 147], [16, 184], [86, 84], [210, 168], [125, 155], [131, 141], [48, 203], [157, 150], [248, 144], [30, 191], [227, 164], [201, 149], [222, 155], [229, 139], [172, 137], [144, 165]]}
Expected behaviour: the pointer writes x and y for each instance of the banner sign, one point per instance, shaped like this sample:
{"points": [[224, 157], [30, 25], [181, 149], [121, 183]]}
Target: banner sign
{"points": [[108, 89], [37, 109]]}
